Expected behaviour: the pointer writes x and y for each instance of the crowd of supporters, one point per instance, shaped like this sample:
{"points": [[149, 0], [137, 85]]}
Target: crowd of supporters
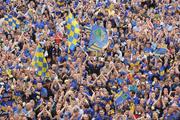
{"points": [[141, 60]]}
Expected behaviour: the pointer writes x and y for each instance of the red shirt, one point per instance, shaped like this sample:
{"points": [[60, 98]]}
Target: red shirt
{"points": [[58, 37]]}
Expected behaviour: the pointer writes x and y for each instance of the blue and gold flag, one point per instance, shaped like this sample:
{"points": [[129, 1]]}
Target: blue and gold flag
{"points": [[72, 31], [121, 98], [61, 3], [40, 63], [94, 47], [98, 38], [11, 21]]}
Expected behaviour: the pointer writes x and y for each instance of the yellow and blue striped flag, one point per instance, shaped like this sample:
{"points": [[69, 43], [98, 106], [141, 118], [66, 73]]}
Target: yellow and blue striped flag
{"points": [[121, 98], [40, 63], [61, 3], [72, 31], [94, 47], [11, 21]]}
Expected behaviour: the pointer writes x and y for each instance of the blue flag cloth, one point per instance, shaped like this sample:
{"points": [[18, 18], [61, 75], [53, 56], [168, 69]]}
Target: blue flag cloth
{"points": [[98, 38], [61, 3], [121, 98], [12, 21], [160, 51], [73, 31], [40, 63]]}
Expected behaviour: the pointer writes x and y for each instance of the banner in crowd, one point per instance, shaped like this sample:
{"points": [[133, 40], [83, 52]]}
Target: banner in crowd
{"points": [[40, 63], [72, 31], [11, 21], [160, 51], [120, 98], [61, 2], [98, 38]]}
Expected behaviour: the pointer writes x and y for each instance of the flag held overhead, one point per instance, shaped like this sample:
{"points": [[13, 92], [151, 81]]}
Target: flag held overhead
{"points": [[40, 63], [98, 38], [72, 31], [11, 21]]}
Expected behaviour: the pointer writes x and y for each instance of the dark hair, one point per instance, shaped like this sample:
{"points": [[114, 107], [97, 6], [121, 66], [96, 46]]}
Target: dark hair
{"points": [[132, 92], [89, 117]]}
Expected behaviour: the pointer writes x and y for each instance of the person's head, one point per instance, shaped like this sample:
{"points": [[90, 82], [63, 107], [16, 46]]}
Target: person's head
{"points": [[49, 104], [76, 111], [153, 95], [32, 115], [177, 90], [154, 70], [155, 115], [32, 103], [155, 79], [139, 87], [105, 92], [170, 110], [66, 116], [107, 107], [99, 83], [176, 79], [132, 93], [19, 106], [28, 106], [142, 101], [67, 82], [165, 91], [125, 88], [39, 85], [81, 88], [11, 118], [101, 112], [159, 103], [96, 108], [85, 117]]}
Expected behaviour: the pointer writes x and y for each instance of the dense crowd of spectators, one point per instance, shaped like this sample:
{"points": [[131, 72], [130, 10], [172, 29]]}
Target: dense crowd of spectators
{"points": [[142, 60]]}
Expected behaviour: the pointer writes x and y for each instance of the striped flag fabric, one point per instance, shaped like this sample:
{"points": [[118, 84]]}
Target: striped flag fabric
{"points": [[73, 31], [40, 63], [11, 21], [61, 2]]}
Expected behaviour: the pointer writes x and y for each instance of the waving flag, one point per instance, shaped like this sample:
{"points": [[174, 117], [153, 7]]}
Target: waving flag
{"points": [[60, 2], [121, 98], [160, 51], [11, 21], [98, 38], [40, 63], [72, 31]]}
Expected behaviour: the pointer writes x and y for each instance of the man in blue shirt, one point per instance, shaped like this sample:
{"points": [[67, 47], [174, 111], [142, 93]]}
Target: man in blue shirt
{"points": [[41, 90], [148, 48]]}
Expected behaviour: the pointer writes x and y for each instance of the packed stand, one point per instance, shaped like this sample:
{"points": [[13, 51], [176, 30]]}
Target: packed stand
{"points": [[140, 61]]}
